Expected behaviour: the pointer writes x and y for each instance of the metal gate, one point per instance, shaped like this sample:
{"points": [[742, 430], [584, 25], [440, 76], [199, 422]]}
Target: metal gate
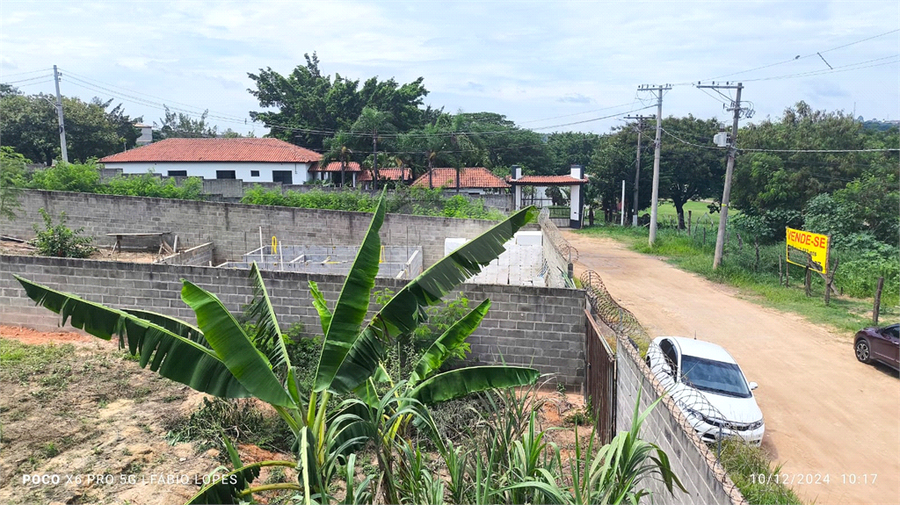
{"points": [[600, 378]]}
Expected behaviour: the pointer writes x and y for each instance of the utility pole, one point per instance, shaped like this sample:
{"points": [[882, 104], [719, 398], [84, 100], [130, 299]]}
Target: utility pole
{"points": [[655, 194], [59, 112], [729, 168], [375, 158], [637, 170]]}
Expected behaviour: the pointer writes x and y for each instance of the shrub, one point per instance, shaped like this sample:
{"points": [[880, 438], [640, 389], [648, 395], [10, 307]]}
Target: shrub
{"points": [[59, 240], [83, 177], [150, 185]]}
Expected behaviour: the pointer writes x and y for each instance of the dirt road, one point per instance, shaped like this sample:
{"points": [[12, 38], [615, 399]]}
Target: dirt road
{"points": [[826, 413]]}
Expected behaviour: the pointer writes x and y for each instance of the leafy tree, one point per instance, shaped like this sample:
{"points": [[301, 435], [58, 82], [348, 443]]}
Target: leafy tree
{"points": [[571, 148], [371, 121], [687, 172], [29, 124], [310, 104], [180, 125], [337, 148], [12, 178]]}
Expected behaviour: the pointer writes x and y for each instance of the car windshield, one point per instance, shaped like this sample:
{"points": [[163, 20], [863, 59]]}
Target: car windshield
{"points": [[714, 376]]}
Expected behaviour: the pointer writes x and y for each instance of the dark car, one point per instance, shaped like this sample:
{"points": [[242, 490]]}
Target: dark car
{"points": [[879, 344]]}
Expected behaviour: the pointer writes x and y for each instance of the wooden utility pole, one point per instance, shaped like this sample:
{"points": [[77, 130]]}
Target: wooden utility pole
{"points": [[62, 125], [637, 171], [655, 191], [729, 170]]}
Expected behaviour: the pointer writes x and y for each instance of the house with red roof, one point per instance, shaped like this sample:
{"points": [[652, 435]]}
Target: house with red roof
{"points": [[471, 180], [248, 159], [332, 172]]}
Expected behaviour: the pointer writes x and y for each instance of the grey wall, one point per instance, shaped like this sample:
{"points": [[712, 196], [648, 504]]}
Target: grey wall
{"points": [[691, 460], [542, 327], [234, 228]]}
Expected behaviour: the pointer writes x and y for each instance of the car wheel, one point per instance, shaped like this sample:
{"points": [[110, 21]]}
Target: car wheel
{"points": [[863, 351]]}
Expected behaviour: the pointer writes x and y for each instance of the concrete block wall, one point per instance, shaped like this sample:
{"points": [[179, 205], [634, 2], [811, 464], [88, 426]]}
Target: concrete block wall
{"points": [[540, 327], [691, 460], [234, 228]]}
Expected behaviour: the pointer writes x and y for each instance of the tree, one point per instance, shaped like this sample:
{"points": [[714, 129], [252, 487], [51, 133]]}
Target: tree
{"points": [[219, 358], [372, 121], [338, 148], [30, 125], [310, 105], [687, 172], [570, 148], [180, 125]]}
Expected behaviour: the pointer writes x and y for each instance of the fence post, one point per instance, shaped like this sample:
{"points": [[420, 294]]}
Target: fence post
{"points": [[877, 306], [808, 280], [689, 222]]}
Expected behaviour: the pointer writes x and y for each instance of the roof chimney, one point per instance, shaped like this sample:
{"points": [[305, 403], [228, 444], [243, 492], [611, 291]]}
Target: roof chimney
{"points": [[576, 171]]}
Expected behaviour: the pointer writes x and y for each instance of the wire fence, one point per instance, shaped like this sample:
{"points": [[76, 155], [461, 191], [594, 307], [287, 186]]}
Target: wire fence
{"points": [[551, 232], [618, 318]]}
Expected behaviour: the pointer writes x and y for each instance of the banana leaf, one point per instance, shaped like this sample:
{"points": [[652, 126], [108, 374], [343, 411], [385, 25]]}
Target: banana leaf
{"points": [[349, 355], [169, 354], [176, 326], [405, 311], [233, 347], [457, 383], [268, 338], [442, 348], [321, 306]]}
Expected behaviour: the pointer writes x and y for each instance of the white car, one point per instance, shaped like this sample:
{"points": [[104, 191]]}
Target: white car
{"points": [[709, 387]]}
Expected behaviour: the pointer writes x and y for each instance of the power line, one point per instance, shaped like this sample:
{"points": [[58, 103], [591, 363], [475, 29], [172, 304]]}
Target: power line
{"points": [[578, 113], [844, 68], [29, 79], [29, 72], [676, 137], [798, 57], [818, 150]]}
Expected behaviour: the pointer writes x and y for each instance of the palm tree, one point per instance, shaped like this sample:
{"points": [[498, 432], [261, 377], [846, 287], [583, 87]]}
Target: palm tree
{"points": [[219, 358], [338, 148], [372, 121]]}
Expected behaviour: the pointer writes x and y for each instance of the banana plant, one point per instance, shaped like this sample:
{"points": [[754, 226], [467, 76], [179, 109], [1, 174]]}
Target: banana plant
{"points": [[219, 358]]}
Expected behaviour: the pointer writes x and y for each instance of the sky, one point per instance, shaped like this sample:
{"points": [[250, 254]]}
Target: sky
{"points": [[549, 65]]}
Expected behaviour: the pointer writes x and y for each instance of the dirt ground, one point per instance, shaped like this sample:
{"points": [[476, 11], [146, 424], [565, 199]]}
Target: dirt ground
{"points": [[91, 419], [97, 421], [102, 254], [826, 413]]}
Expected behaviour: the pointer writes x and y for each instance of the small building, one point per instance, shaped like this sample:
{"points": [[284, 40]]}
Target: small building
{"points": [[332, 172], [389, 174], [472, 180], [248, 159], [146, 134], [575, 181]]}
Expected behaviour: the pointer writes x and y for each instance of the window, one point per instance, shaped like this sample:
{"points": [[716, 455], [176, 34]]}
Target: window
{"points": [[254, 173], [177, 173], [225, 174], [282, 176]]}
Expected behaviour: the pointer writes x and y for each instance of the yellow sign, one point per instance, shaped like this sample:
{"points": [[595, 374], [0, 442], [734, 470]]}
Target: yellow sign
{"points": [[811, 248]]}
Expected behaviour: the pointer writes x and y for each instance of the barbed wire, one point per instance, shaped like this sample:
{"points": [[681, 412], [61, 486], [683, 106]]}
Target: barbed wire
{"points": [[551, 231]]}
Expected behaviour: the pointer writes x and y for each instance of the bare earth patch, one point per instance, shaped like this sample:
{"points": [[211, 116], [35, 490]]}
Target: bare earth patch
{"points": [[81, 423]]}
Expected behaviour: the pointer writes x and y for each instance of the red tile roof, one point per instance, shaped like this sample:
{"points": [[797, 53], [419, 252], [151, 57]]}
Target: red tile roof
{"points": [[335, 166], [469, 177], [217, 150], [546, 180], [389, 174]]}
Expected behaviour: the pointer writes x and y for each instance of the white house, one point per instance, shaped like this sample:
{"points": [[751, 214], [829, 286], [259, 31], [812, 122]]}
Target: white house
{"points": [[251, 160]]}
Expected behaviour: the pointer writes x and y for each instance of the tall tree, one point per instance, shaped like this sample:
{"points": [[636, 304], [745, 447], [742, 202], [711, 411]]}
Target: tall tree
{"points": [[310, 105], [337, 148], [688, 172], [29, 124], [372, 121], [180, 125]]}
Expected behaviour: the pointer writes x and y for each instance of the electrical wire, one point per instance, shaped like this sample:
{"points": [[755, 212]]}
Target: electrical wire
{"points": [[29, 72], [676, 137], [578, 113], [796, 58], [29, 79], [888, 150]]}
